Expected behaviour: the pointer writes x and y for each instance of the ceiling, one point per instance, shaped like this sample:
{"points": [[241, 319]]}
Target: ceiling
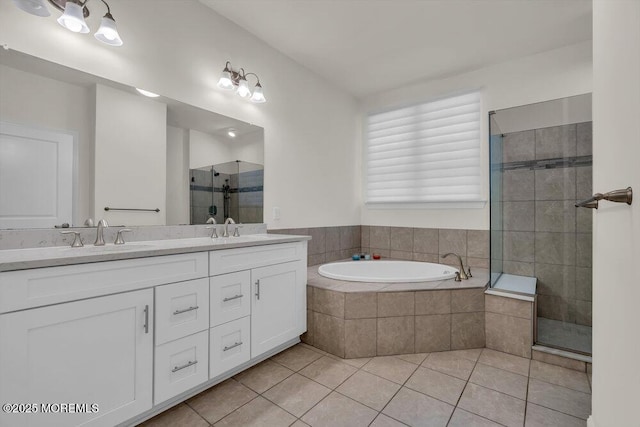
{"points": [[369, 46]]}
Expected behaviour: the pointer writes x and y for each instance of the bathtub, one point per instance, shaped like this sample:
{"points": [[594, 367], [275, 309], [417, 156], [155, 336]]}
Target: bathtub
{"points": [[387, 271]]}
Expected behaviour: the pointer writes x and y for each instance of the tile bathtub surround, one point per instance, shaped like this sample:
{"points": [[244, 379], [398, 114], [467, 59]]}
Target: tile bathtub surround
{"points": [[366, 324], [304, 386], [545, 171], [34, 238]]}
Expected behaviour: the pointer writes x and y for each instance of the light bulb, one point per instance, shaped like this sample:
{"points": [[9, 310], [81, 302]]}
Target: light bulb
{"points": [[73, 19], [243, 88], [231, 133], [34, 7], [258, 96], [108, 33], [225, 81]]}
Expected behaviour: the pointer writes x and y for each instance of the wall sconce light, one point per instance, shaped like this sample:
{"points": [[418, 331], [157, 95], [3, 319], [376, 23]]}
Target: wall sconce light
{"points": [[73, 17], [230, 80]]}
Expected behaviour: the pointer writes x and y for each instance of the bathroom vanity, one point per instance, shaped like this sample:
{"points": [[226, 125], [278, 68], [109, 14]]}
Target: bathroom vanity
{"points": [[113, 335]]}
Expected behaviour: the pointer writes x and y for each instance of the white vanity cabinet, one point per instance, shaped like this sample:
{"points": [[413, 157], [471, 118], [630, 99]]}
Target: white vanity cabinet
{"points": [[94, 351], [137, 336]]}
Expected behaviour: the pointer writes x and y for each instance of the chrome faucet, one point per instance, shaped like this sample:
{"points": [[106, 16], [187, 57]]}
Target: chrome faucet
{"points": [[214, 232], [102, 224], [225, 233], [462, 275]]}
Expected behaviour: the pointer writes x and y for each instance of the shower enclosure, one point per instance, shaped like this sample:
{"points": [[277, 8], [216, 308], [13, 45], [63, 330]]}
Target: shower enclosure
{"points": [[227, 190], [540, 162]]}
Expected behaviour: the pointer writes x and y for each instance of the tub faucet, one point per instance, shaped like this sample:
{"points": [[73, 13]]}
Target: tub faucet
{"points": [[225, 233], [102, 224], [462, 275]]}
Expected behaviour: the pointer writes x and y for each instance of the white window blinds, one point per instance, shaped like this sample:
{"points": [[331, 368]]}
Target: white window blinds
{"points": [[425, 153]]}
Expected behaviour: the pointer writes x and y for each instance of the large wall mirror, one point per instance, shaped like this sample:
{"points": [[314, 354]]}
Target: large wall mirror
{"points": [[75, 146]]}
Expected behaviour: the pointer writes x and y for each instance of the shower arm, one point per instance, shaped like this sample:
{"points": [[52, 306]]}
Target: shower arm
{"points": [[617, 196]]}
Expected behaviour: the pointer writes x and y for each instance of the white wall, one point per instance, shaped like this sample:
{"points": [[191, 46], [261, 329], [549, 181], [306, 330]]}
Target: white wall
{"points": [[549, 75], [130, 157], [311, 158], [36, 101], [250, 147], [177, 176], [616, 227], [206, 150]]}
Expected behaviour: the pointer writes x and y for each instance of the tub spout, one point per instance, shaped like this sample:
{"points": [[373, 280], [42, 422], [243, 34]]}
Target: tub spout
{"points": [[463, 274]]}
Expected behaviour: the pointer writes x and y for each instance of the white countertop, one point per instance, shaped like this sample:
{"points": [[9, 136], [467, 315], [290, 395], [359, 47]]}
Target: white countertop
{"points": [[22, 259]]}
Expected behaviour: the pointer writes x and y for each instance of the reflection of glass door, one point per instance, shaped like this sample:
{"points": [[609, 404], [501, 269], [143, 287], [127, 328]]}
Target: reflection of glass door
{"points": [[541, 161]]}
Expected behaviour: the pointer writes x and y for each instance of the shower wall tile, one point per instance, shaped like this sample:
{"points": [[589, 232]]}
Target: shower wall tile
{"points": [[584, 220], [425, 240], [555, 184], [452, 241], [556, 142], [519, 246], [556, 215], [519, 268], [584, 285], [519, 216], [518, 185], [556, 308], [556, 280], [478, 262], [585, 139], [584, 249], [519, 146], [584, 182], [555, 248], [401, 238], [583, 312]]}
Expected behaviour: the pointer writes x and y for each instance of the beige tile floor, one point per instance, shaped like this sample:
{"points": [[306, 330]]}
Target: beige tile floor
{"points": [[304, 386]]}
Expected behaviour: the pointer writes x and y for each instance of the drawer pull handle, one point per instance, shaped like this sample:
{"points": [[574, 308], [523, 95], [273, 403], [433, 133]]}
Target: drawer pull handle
{"points": [[146, 319], [232, 346], [258, 289], [175, 313], [232, 298], [189, 363]]}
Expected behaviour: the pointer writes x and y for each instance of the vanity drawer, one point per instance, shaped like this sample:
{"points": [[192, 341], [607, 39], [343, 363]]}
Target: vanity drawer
{"points": [[181, 309], [230, 260], [181, 365], [230, 297], [43, 286], [229, 346]]}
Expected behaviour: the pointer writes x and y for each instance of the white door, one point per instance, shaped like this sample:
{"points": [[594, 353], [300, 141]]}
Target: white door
{"points": [[36, 177], [616, 227], [97, 351], [278, 305]]}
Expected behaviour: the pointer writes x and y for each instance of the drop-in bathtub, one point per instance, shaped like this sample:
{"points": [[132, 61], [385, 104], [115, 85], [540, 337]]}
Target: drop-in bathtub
{"points": [[376, 271]]}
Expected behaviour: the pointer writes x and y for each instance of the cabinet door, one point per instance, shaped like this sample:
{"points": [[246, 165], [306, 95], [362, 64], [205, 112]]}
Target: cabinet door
{"points": [[95, 351], [278, 305]]}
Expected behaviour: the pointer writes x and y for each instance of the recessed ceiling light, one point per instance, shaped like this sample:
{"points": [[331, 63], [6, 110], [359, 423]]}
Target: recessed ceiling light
{"points": [[147, 93], [231, 133]]}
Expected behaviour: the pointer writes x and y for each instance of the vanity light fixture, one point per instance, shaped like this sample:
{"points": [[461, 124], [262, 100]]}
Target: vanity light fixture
{"points": [[73, 17], [147, 93], [230, 80]]}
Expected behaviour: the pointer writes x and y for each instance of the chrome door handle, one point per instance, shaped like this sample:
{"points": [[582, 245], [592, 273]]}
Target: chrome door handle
{"points": [[258, 288], [146, 319], [232, 298], [189, 363], [175, 313], [232, 346]]}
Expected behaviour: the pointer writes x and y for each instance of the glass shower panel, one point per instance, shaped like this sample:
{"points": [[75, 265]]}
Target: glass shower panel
{"points": [[250, 192], [541, 161]]}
